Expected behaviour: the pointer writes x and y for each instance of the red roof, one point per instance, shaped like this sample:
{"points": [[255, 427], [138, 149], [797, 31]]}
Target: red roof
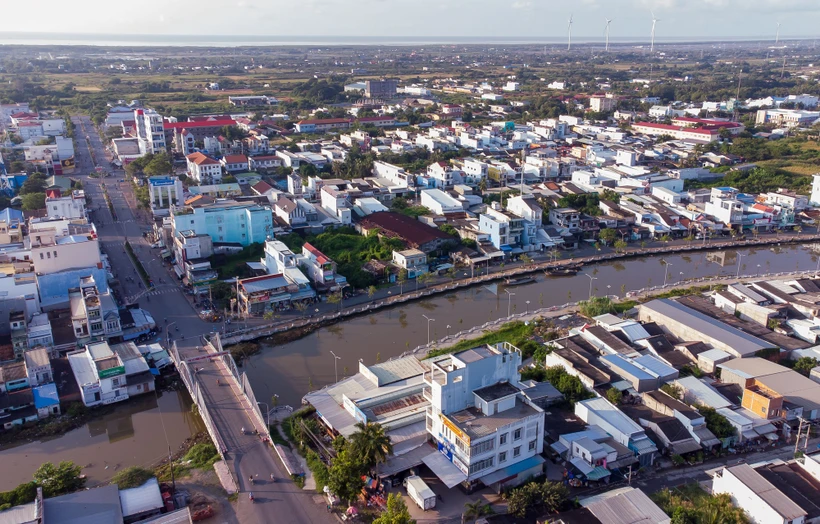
{"points": [[261, 187], [236, 159], [406, 228], [696, 130], [201, 159], [320, 257], [192, 125]]}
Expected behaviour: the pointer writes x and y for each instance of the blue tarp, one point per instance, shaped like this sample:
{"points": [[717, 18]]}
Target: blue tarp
{"points": [[54, 286], [45, 396], [505, 248]]}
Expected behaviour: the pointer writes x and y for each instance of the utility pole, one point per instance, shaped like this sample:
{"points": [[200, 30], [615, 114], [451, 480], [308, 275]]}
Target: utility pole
{"points": [[629, 478], [799, 431]]}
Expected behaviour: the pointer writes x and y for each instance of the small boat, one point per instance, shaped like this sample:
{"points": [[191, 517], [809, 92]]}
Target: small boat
{"points": [[518, 281], [563, 271]]}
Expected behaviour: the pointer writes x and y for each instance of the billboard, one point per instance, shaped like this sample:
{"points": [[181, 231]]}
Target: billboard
{"points": [[111, 372], [162, 181]]}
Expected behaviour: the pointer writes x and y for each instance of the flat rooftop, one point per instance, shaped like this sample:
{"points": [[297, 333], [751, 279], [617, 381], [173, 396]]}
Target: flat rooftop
{"points": [[496, 391], [476, 425]]}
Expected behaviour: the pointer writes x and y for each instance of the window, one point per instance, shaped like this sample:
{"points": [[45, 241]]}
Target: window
{"points": [[502, 439], [532, 445], [481, 464], [482, 447], [48, 255], [41, 256], [219, 228], [502, 457], [55, 254], [517, 434], [516, 451]]}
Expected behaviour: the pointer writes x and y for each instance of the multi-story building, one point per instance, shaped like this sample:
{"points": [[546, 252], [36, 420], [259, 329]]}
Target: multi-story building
{"points": [[100, 374], [258, 295], [190, 246], [234, 163], [164, 192], [204, 169], [150, 131], [94, 315], [505, 229], [484, 427], [413, 261], [38, 366], [321, 125], [320, 268], [39, 331], [238, 222], [52, 252], [786, 117], [70, 206], [725, 207], [384, 88]]}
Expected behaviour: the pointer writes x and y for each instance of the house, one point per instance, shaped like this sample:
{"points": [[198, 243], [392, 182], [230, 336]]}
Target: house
{"points": [[257, 295], [264, 162], [625, 505], [227, 221], [623, 429], [94, 314], [234, 163], [289, 211], [412, 232], [204, 169], [320, 269], [100, 374], [413, 261], [440, 202], [70, 206], [38, 366], [321, 125], [762, 502]]}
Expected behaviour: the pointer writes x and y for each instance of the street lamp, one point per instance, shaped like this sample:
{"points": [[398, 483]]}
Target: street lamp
{"points": [[448, 329], [510, 294], [666, 272], [528, 306], [335, 364], [591, 278], [739, 256], [428, 327]]}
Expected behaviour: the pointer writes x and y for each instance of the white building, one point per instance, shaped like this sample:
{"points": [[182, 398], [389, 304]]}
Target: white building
{"points": [[762, 502], [414, 261], [164, 191], [440, 202], [204, 169], [786, 117], [624, 430], [100, 374], [150, 131], [814, 199], [486, 430], [70, 206], [51, 254]]}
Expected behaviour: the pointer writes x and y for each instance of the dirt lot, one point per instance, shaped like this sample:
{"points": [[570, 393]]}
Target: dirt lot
{"points": [[204, 490]]}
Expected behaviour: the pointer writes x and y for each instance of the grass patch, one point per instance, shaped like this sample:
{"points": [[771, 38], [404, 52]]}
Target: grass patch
{"points": [[202, 455], [229, 266], [516, 333], [140, 270], [277, 437], [299, 480], [132, 477]]}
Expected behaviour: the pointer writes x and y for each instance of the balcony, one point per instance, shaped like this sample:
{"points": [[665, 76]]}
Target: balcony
{"points": [[427, 393]]}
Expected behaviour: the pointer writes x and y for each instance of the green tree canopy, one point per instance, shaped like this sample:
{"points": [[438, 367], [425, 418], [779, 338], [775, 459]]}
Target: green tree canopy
{"points": [[804, 365], [371, 443], [34, 201], [60, 479], [35, 183], [344, 476], [536, 498], [396, 512]]}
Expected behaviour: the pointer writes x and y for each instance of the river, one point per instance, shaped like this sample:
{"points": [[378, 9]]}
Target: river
{"points": [[133, 435]]}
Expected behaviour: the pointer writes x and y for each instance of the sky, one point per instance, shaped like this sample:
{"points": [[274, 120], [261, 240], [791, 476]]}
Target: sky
{"points": [[422, 18]]}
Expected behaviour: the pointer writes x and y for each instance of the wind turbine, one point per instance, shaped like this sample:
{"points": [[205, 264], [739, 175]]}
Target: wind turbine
{"points": [[608, 21], [569, 33], [777, 35], [654, 21]]}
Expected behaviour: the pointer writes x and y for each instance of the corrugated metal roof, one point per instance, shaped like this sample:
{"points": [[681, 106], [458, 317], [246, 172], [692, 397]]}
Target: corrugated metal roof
{"points": [[626, 506], [93, 506], [141, 499], [764, 489], [752, 367], [614, 416], [397, 369], [654, 365], [632, 330], [698, 392], [623, 366], [741, 342]]}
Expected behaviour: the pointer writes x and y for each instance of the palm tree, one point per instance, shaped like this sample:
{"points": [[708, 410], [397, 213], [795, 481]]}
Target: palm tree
{"points": [[371, 443], [475, 510]]}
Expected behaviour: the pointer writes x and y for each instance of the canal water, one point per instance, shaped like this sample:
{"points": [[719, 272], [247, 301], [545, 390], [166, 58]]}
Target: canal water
{"points": [[133, 434]]}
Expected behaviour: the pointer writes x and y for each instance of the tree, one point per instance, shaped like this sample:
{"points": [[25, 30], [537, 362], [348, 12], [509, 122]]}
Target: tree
{"points": [[402, 278], [345, 476], [159, 165], [371, 444], [335, 298], [132, 477], [476, 510], [614, 396], [60, 479], [716, 423], [608, 235], [34, 201], [534, 499], [619, 245], [230, 179], [396, 513], [804, 365], [371, 291], [35, 183]]}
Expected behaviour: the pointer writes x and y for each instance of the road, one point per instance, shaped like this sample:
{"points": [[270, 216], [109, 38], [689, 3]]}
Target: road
{"points": [[167, 303]]}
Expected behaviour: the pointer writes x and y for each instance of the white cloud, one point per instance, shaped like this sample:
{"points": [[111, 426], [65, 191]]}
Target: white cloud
{"points": [[522, 4]]}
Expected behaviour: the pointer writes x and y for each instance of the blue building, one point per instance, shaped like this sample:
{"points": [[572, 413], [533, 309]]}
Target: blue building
{"points": [[226, 222]]}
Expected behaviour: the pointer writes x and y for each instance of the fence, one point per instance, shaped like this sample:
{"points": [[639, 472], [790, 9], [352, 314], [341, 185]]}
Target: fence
{"points": [[252, 333]]}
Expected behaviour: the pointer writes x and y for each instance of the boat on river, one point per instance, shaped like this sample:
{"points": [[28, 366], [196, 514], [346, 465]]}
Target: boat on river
{"points": [[564, 271], [518, 281]]}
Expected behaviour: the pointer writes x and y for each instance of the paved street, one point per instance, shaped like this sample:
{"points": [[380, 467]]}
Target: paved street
{"points": [[247, 455]]}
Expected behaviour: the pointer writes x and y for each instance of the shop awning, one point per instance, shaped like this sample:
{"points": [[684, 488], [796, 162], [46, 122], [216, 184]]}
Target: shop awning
{"points": [[165, 253], [512, 471], [598, 473], [687, 446], [765, 429], [559, 448], [445, 470], [582, 466], [749, 434], [178, 271], [507, 249]]}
